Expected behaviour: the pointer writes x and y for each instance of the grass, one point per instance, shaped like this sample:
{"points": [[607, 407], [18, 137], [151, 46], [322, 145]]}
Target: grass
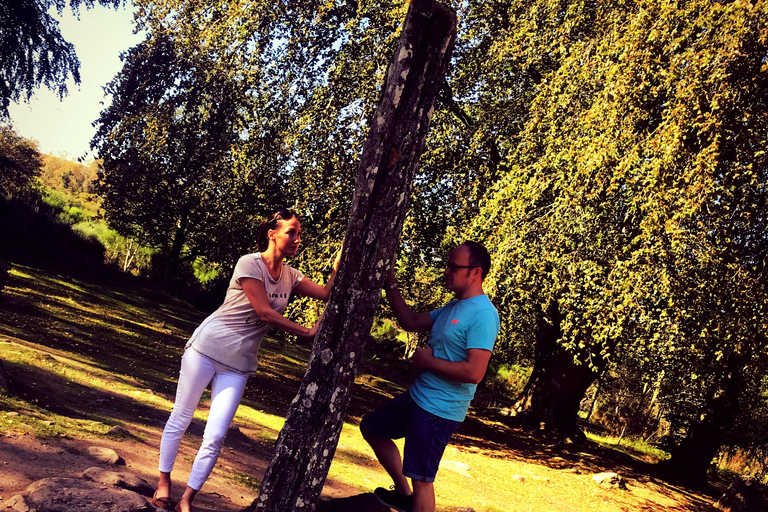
{"points": [[75, 346], [634, 447], [245, 480]]}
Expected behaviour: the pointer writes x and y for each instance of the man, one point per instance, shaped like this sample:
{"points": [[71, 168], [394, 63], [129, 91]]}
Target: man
{"points": [[462, 336]]}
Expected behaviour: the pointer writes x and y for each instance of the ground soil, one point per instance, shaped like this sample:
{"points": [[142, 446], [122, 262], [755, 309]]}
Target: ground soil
{"points": [[26, 459]]}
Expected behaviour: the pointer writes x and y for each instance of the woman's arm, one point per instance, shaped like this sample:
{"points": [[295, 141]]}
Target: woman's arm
{"points": [[257, 296], [308, 288]]}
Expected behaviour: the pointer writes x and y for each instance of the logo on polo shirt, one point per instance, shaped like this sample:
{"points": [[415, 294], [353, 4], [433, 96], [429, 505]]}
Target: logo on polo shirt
{"points": [[454, 321]]}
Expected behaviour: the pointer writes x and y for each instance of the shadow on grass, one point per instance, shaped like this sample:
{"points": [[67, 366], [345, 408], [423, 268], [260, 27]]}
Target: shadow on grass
{"points": [[140, 334]]}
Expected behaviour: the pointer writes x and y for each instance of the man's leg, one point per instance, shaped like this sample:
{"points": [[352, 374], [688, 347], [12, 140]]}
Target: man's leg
{"points": [[423, 496], [425, 440], [389, 457]]}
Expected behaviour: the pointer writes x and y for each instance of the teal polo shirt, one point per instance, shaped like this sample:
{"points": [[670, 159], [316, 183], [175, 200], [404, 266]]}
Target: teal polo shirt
{"points": [[456, 327]]}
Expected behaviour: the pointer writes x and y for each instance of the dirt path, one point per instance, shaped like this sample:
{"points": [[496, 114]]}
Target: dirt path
{"points": [[26, 460]]}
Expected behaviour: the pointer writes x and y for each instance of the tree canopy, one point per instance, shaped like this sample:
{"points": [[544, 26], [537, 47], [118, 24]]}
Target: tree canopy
{"points": [[632, 214], [20, 161], [32, 50], [610, 154], [174, 174]]}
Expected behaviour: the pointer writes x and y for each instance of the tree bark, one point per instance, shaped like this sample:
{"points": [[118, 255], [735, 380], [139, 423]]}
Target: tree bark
{"points": [[174, 252], [6, 383], [551, 398], [690, 460], [307, 442]]}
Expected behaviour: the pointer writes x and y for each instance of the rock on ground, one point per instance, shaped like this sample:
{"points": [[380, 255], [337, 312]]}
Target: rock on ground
{"points": [[68, 494], [121, 479], [106, 455], [609, 479]]}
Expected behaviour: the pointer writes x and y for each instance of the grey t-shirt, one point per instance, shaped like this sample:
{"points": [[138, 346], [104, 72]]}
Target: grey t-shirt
{"points": [[232, 334]]}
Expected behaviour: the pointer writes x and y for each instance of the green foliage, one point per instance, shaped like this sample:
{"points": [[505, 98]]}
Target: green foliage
{"points": [[633, 446], [503, 383], [70, 209], [631, 204], [32, 49], [20, 161], [205, 272], [172, 175]]}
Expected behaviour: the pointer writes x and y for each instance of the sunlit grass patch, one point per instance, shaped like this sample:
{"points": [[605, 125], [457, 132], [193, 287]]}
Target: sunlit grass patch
{"points": [[18, 417], [354, 464], [245, 480], [636, 447], [267, 425]]}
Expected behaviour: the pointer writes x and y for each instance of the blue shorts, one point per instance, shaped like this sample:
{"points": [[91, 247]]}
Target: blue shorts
{"points": [[426, 435]]}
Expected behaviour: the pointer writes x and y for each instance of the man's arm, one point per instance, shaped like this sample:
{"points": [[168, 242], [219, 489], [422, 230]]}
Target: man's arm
{"points": [[406, 317], [470, 371]]}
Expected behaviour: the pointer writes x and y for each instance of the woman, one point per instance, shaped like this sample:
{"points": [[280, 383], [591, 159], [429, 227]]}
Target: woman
{"points": [[223, 349]]}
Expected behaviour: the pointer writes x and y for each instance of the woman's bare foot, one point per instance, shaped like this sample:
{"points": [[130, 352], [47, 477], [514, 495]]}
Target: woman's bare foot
{"points": [[185, 503], [183, 506]]}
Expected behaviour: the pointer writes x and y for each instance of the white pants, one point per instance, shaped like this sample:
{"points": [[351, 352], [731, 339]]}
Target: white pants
{"points": [[226, 391]]}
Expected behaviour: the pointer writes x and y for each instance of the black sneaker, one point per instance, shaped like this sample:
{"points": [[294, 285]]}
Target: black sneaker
{"points": [[394, 499]]}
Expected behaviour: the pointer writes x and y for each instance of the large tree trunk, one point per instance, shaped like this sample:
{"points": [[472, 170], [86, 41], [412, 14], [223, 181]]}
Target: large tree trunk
{"points": [[691, 459], [307, 442], [551, 398]]}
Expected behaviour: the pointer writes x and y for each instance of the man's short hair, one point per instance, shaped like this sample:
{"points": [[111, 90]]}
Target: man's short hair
{"points": [[478, 256]]}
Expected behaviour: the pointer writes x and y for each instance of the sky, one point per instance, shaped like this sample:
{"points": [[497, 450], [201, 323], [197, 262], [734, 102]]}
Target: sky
{"points": [[63, 128]]}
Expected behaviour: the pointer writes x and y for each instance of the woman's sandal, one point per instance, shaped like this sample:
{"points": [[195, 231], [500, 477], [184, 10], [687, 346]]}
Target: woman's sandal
{"points": [[163, 502]]}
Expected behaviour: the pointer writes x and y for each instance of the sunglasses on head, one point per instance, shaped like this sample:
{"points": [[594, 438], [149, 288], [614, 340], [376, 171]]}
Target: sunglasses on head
{"points": [[281, 214]]}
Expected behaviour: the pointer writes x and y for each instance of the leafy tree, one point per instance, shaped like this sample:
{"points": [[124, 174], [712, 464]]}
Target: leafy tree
{"points": [[20, 161], [611, 155], [32, 49], [630, 219], [173, 175]]}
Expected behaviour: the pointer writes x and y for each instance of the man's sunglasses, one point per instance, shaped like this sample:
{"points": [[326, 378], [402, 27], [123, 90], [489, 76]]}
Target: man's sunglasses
{"points": [[454, 267]]}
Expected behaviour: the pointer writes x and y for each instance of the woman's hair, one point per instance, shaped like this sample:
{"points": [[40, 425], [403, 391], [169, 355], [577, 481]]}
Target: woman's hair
{"points": [[262, 238]]}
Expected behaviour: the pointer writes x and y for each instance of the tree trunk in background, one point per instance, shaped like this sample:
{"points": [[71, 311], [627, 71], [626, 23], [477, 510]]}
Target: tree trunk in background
{"points": [[6, 383], [551, 398], [174, 253], [691, 459], [307, 442]]}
